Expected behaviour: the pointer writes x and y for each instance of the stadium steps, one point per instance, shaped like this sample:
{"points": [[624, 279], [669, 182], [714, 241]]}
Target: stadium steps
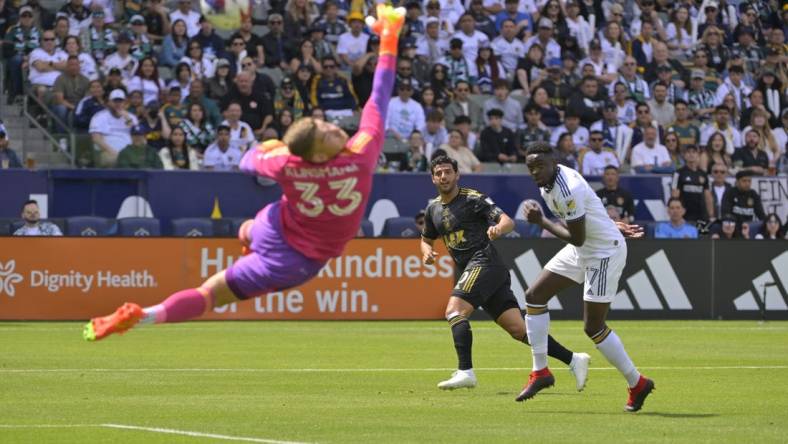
{"points": [[29, 141]]}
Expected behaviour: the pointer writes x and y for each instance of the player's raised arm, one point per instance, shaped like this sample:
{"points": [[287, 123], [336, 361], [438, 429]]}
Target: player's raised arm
{"points": [[388, 25]]}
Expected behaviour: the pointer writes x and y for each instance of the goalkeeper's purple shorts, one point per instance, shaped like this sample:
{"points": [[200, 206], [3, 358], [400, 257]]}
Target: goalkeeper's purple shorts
{"points": [[273, 264]]}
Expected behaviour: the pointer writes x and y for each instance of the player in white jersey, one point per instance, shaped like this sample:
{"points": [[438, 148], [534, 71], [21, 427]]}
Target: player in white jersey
{"points": [[594, 258]]}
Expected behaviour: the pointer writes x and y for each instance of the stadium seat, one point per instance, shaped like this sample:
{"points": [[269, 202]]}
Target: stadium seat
{"points": [[222, 227], [139, 226], [755, 227], [5, 227], [400, 227], [88, 226], [192, 227], [235, 225], [648, 227], [367, 228], [523, 229]]}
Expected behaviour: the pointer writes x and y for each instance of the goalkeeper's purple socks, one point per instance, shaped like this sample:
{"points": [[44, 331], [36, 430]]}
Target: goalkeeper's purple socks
{"points": [[181, 306]]}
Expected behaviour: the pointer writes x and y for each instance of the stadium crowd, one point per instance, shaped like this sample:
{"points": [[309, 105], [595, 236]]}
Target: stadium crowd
{"points": [[696, 89]]}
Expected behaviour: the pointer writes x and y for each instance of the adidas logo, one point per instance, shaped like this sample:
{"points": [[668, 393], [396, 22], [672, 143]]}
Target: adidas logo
{"points": [[770, 296], [8, 278], [640, 285]]}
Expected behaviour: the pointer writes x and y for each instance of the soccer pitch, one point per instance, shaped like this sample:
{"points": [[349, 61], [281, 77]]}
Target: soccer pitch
{"points": [[340, 382]]}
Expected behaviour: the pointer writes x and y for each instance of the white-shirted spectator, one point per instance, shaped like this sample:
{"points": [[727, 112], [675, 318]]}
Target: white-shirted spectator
{"points": [[508, 48], [471, 38], [241, 134], [594, 160], [353, 44], [110, 129], [189, 16], [202, 65], [33, 225], [544, 37], [46, 62], [431, 46], [121, 59], [147, 81], [404, 114], [650, 156], [220, 155]]}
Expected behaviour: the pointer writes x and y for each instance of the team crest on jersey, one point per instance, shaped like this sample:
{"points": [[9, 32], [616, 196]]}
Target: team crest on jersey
{"points": [[702, 180], [339, 88], [447, 219], [750, 202], [620, 201], [571, 205]]}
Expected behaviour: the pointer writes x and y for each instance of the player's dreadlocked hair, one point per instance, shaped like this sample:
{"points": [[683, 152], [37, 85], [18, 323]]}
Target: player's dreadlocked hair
{"points": [[440, 160], [300, 137], [540, 148]]}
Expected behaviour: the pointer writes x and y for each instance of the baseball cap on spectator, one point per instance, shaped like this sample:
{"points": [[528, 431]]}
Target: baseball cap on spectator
{"points": [[455, 43], [287, 81], [432, 20], [615, 8], [374, 39], [609, 105], [413, 4], [139, 130], [316, 27], [355, 15], [407, 43], [114, 72], [495, 112], [698, 74], [222, 62], [554, 63], [275, 17], [124, 38], [712, 4], [433, 4], [545, 23], [25, 9], [97, 13], [595, 44], [405, 83], [571, 3], [117, 94], [768, 72], [743, 173], [728, 218], [137, 19]]}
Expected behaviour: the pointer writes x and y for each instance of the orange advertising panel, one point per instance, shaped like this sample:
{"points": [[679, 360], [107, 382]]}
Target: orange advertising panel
{"points": [[80, 278]]}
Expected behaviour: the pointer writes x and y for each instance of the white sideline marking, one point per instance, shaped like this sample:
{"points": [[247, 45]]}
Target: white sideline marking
{"points": [[147, 429], [196, 434], [355, 370]]}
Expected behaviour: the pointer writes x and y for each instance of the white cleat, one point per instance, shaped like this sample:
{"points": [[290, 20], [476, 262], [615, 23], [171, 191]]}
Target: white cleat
{"points": [[579, 369], [459, 379]]}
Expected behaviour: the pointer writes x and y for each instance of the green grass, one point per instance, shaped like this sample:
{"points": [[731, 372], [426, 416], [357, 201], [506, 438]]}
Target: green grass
{"points": [[258, 387]]}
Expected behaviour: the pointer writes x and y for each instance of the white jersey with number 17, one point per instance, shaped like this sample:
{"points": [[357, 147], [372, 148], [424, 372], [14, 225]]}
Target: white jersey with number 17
{"points": [[571, 198]]}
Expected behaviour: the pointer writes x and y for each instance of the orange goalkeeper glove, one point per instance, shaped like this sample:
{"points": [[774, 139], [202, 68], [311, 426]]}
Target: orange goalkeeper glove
{"points": [[388, 26]]}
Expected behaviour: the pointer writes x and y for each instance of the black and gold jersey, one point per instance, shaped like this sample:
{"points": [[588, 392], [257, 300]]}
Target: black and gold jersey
{"points": [[462, 224]]}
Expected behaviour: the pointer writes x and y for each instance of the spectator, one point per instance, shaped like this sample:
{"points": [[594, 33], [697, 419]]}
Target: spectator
{"points": [[700, 98], [332, 92], [419, 220], [459, 68], [484, 16], [110, 129], [256, 111], [735, 85], [691, 186], [299, 15], [177, 155], [614, 44], [46, 64], [146, 79], [139, 155], [201, 64], [587, 103], [405, 73], [69, 88], [489, 69], [97, 39], [173, 110], [751, 157], [250, 41], [722, 124], [672, 144], [512, 114], [471, 39], [220, 156], [89, 105], [625, 108], [219, 85], [714, 153], [497, 141], [461, 106], [757, 104], [441, 85], [679, 33], [157, 20], [197, 95], [771, 228], [660, 108], [463, 124], [577, 26], [415, 158], [781, 133], [650, 156], [530, 70], [330, 22], [213, 46], [687, 132], [121, 59], [8, 158], [613, 195], [25, 37], [431, 47], [742, 201], [748, 48], [33, 225], [719, 186], [199, 131], [306, 56], [457, 150], [637, 87], [572, 127], [190, 18], [282, 122], [603, 70], [544, 37], [448, 13], [87, 66], [510, 48], [616, 135], [644, 120], [404, 114], [241, 134], [352, 44], [182, 80], [677, 227], [534, 130], [662, 58], [770, 86], [597, 157], [730, 229], [151, 122], [362, 74], [767, 140], [77, 14], [550, 116], [566, 151], [288, 97], [141, 46], [435, 133], [643, 44]]}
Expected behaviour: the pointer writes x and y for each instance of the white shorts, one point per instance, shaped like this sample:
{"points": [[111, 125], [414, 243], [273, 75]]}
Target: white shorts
{"points": [[598, 276]]}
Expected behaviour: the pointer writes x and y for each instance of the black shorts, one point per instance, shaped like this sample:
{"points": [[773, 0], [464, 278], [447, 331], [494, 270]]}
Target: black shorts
{"points": [[487, 287]]}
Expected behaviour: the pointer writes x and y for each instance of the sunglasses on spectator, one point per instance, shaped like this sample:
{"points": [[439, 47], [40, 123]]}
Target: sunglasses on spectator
{"points": [[48, 39]]}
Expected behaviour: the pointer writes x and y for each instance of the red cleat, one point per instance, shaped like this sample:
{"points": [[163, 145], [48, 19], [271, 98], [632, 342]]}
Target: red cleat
{"points": [[125, 317], [538, 380], [638, 394]]}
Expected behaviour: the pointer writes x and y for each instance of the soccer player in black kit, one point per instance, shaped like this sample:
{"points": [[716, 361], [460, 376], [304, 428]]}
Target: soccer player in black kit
{"points": [[468, 221]]}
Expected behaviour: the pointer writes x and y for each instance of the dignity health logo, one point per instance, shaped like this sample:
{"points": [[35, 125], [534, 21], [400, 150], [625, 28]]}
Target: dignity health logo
{"points": [[8, 278]]}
